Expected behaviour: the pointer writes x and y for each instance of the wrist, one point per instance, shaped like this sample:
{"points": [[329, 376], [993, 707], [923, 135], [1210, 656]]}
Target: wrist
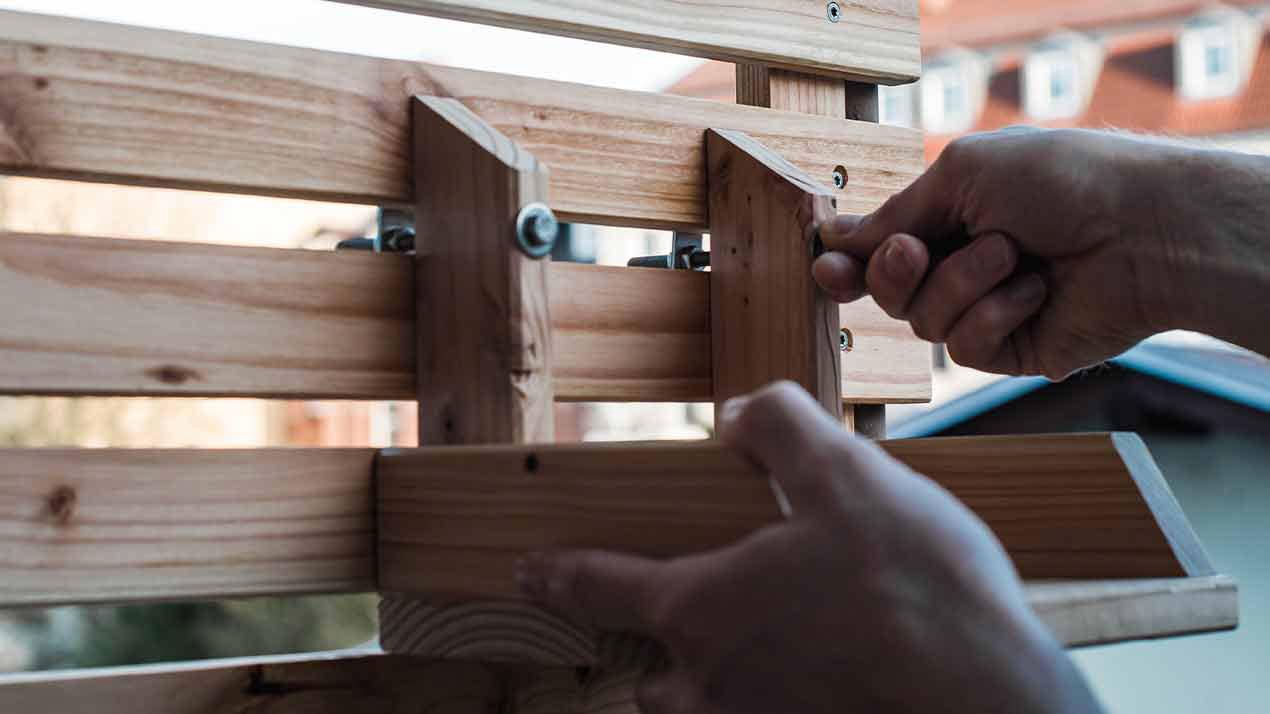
{"points": [[1213, 262]]}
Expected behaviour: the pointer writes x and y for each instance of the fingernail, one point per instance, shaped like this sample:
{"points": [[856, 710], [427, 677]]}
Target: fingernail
{"points": [[897, 262], [530, 575], [1028, 290]]}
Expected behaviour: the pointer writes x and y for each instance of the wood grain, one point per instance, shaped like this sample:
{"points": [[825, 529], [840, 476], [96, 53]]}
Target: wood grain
{"points": [[769, 320], [116, 525], [94, 101], [452, 521], [874, 39], [122, 317], [1099, 612], [485, 351], [1078, 613], [360, 681], [348, 683], [482, 313]]}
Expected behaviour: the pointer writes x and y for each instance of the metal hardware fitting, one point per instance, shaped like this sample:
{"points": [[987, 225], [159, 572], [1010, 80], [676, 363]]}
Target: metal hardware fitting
{"points": [[846, 342], [839, 178], [395, 234], [685, 254], [834, 10], [536, 230]]}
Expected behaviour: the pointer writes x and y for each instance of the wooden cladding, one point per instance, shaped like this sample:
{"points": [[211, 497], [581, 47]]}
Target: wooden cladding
{"points": [[97, 316], [89, 526], [863, 39], [117, 525], [94, 101], [452, 521]]}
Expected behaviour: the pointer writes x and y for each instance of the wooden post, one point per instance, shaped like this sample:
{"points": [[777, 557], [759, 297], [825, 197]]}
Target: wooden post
{"points": [[484, 342], [769, 320], [759, 85]]}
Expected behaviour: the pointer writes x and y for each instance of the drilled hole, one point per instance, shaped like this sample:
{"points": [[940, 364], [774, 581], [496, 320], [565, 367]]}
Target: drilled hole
{"points": [[531, 463], [846, 342], [834, 11], [840, 177]]}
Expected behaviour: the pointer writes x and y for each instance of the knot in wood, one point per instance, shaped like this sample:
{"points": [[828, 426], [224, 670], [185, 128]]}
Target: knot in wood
{"points": [[61, 504]]}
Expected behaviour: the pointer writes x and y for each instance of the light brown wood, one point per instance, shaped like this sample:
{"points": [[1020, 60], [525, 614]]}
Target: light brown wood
{"points": [[875, 39], [453, 521], [360, 681], [762, 86], [1078, 613], [484, 349], [122, 317], [343, 682], [93, 101], [769, 320], [1099, 612], [482, 312], [115, 525]]}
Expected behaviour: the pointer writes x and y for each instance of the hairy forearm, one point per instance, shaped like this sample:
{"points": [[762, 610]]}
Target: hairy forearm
{"points": [[1215, 270]]}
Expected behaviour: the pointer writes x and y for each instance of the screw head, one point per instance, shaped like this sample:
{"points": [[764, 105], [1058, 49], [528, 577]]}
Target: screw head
{"points": [[845, 341], [834, 10], [536, 230], [839, 179]]}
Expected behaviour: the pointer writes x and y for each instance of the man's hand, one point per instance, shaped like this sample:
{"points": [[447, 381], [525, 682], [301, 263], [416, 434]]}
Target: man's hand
{"points": [[1043, 252], [880, 593]]}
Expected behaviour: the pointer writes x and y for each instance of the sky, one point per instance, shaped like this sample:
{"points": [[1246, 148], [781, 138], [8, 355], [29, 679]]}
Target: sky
{"points": [[381, 33]]}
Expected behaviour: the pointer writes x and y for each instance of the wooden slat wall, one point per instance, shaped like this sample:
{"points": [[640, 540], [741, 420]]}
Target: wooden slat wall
{"points": [[117, 525], [872, 39], [87, 100], [123, 317]]}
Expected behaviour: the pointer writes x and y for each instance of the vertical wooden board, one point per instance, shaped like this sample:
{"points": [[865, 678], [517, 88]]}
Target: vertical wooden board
{"points": [[769, 320], [484, 326]]}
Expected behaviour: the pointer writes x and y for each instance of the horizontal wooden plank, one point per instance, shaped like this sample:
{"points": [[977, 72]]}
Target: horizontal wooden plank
{"points": [[453, 520], [870, 40], [1078, 613], [94, 101], [347, 682], [101, 316], [107, 525], [1101, 612], [358, 681]]}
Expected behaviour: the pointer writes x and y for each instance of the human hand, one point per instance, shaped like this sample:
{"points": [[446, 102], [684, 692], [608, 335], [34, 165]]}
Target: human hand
{"points": [[880, 593], [1056, 243]]}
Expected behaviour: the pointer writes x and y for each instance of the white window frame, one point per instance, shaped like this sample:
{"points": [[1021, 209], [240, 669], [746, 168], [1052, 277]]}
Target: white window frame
{"points": [[897, 106], [935, 85], [1040, 71], [1194, 45]]}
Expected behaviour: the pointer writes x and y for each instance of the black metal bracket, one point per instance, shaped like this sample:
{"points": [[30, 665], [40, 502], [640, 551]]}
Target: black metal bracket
{"points": [[685, 254], [395, 233]]}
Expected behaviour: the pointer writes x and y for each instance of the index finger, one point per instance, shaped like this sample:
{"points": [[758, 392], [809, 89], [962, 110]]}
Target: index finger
{"points": [[925, 209]]}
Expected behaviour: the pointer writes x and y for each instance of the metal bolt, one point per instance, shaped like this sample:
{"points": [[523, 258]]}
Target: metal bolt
{"points": [[839, 178], [835, 12], [536, 230], [845, 341]]}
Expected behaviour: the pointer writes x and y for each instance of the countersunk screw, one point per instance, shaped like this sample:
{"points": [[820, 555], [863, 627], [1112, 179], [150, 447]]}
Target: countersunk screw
{"points": [[835, 12], [845, 342], [536, 230], [839, 178]]}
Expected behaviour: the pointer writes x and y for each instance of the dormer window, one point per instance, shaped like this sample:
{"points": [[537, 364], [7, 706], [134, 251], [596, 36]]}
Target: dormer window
{"points": [[1214, 54], [945, 106], [953, 90], [1052, 85], [897, 106], [1059, 76]]}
